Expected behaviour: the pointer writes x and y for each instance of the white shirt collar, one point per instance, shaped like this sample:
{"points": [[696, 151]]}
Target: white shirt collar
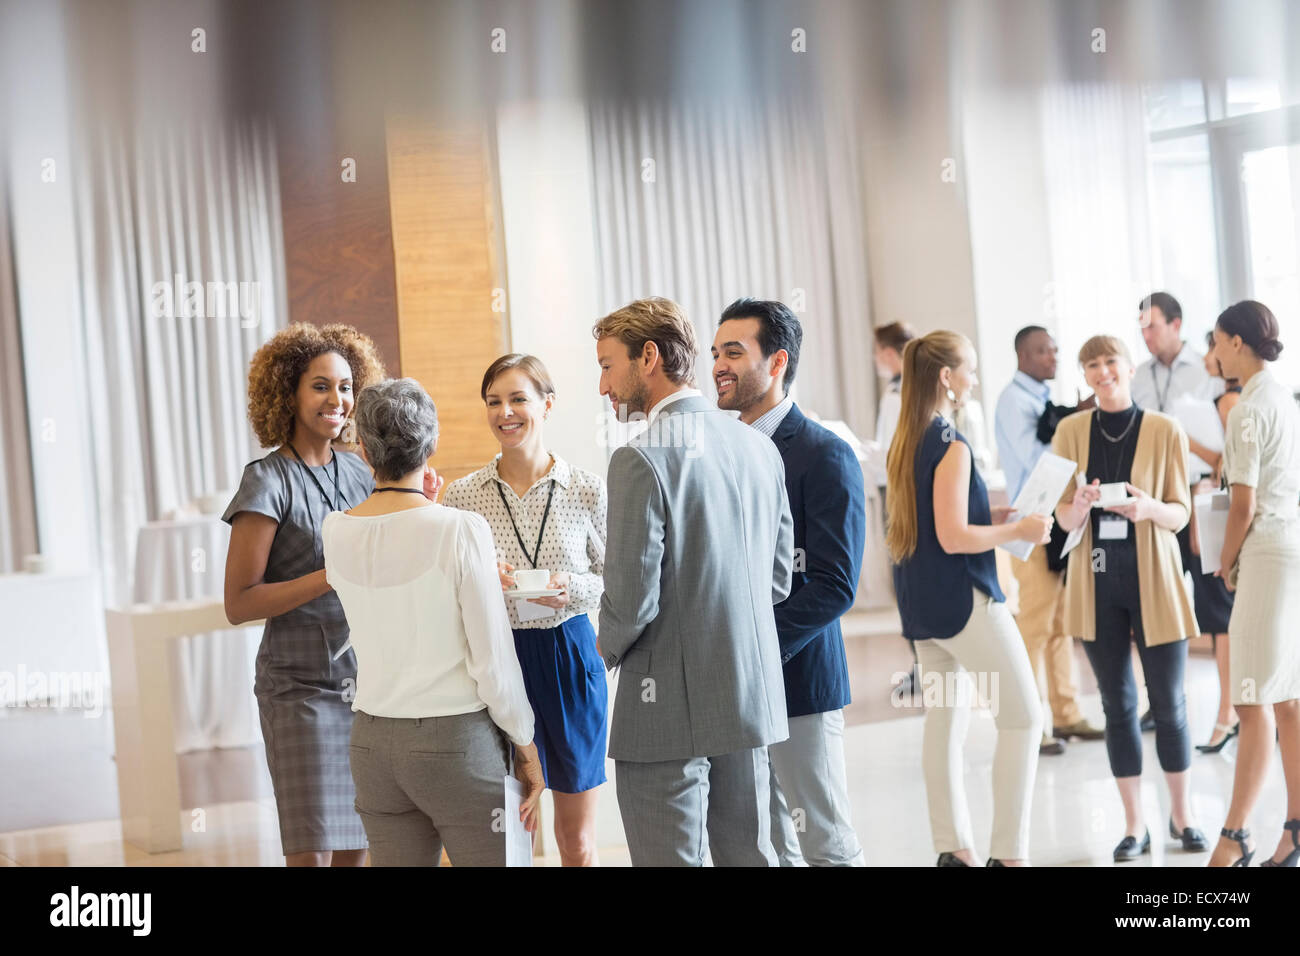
{"points": [[1186, 355], [669, 399]]}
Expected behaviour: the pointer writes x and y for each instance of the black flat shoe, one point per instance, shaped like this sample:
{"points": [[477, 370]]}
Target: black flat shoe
{"points": [[993, 862], [1229, 733], [1292, 858], [950, 859], [1241, 836], [1129, 848], [1194, 840]]}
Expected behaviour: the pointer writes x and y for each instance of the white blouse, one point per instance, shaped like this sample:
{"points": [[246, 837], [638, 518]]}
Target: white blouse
{"points": [[423, 603], [574, 539]]}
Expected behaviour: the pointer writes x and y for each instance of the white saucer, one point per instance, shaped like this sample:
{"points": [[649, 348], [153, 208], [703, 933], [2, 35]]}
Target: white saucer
{"points": [[1114, 504], [536, 593]]}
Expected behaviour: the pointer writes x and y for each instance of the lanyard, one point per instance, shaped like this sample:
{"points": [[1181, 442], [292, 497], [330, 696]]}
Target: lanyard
{"points": [[310, 474], [1155, 382], [537, 552]]}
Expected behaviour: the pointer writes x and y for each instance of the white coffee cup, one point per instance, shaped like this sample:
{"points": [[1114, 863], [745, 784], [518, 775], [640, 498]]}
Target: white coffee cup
{"points": [[535, 579], [1113, 493]]}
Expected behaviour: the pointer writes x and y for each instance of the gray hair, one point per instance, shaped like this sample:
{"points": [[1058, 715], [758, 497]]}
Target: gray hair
{"points": [[397, 425]]}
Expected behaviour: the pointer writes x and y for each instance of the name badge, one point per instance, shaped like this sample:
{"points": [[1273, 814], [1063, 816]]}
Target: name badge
{"points": [[1113, 528]]}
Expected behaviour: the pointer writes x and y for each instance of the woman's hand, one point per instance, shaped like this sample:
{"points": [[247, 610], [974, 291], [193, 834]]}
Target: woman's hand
{"points": [[506, 572], [432, 483], [1035, 528], [1084, 496], [1000, 513], [1225, 575], [1140, 510], [560, 579], [528, 771]]}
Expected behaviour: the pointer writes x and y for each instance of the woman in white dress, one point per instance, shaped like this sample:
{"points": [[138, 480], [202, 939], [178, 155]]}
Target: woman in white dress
{"points": [[1261, 559]]}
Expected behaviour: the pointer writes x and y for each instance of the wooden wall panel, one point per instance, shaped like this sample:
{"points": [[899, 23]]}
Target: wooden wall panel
{"points": [[338, 240], [445, 242]]}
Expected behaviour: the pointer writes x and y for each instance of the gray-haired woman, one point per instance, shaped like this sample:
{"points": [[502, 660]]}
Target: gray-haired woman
{"points": [[439, 689]]}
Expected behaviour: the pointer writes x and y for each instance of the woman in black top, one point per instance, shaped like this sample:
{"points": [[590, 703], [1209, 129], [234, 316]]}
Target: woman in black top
{"points": [[1212, 597]]}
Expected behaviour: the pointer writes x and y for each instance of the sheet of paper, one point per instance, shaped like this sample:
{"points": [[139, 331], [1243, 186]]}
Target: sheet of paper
{"points": [[1200, 419], [528, 611], [1074, 537], [1039, 496], [1211, 526], [519, 842]]}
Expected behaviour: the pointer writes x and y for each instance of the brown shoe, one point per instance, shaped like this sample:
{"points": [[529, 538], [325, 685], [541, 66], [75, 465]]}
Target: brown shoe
{"points": [[1080, 729], [1051, 747]]}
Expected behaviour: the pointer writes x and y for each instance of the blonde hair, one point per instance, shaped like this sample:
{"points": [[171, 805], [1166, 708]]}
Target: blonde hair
{"points": [[1103, 346], [662, 322], [923, 359]]}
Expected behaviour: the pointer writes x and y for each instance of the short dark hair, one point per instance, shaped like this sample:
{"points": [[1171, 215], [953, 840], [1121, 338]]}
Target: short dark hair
{"points": [[1027, 331], [894, 335], [778, 328], [1163, 301], [1257, 326]]}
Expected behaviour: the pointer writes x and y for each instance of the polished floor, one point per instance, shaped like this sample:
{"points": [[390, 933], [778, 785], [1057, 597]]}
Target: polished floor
{"points": [[58, 804]]}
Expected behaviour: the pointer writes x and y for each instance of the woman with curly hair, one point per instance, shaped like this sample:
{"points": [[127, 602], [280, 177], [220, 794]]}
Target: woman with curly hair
{"points": [[300, 395]]}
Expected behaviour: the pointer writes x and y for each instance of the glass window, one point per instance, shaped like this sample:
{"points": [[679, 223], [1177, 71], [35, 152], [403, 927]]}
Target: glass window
{"points": [[1271, 185], [1182, 201], [1171, 105], [1252, 95]]}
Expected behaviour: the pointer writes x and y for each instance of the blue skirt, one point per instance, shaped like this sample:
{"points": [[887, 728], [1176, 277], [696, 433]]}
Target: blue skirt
{"points": [[565, 681]]}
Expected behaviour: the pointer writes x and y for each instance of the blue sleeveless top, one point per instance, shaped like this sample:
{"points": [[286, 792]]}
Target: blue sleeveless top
{"points": [[934, 587]]}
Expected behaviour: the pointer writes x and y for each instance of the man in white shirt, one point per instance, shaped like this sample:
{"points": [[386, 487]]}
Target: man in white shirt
{"points": [[1042, 591], [1175, 369]]}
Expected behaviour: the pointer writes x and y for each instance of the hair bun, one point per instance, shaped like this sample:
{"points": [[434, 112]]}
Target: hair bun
{"points": [[1269, 349]]}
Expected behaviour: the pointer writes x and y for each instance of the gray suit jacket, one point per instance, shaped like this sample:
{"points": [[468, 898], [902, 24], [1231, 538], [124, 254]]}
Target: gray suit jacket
{"points": [[700, 548]]}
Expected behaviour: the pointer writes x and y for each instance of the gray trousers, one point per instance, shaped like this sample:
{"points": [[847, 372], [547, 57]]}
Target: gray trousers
{"points": [[676, 811], [426, 783], [810, 795]]}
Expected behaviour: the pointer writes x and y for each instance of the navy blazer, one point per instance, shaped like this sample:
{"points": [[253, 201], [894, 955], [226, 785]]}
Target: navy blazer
{"points": [[824, 483]]}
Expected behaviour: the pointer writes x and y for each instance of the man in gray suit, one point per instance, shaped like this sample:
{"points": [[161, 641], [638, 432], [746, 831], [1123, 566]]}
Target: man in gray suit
{"points": [[700, 547]]}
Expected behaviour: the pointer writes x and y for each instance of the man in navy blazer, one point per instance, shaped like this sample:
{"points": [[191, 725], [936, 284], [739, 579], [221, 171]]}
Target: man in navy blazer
{"points": [[755, 356]]}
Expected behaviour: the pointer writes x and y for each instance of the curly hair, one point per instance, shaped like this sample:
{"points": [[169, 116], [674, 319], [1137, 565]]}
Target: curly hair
{"points": [[277, 367]]}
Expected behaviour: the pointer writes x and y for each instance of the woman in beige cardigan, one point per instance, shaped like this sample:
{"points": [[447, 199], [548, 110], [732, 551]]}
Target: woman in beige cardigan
{"points": [[1124, 583]]}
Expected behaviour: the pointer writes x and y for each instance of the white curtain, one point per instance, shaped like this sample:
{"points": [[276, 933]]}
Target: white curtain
{"points": [[169, 221], [745, 199], [17, 502], [1099, 222], [706, 202]]}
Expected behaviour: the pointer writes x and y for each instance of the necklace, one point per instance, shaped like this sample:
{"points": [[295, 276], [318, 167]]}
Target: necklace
{"points": [[409, 491], [1114, 439]]}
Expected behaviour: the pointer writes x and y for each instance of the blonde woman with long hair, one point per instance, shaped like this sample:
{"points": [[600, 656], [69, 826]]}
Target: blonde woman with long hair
{"points": [[941, 537]]}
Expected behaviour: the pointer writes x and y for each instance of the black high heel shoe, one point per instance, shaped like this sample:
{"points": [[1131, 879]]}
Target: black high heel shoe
{"points": [[1292, 858], [951, 859], [1241, 836], [1215, 748]]}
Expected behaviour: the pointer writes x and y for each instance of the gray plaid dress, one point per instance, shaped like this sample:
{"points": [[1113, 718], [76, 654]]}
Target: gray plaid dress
{"points": [[303, 694]]}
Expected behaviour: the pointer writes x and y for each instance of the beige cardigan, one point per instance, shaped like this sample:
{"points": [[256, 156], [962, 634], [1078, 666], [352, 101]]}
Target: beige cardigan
{"points": [[1159, 469]]}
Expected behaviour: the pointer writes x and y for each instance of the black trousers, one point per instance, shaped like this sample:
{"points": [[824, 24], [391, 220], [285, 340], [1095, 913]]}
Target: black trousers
{"points": [[1119, 626]]}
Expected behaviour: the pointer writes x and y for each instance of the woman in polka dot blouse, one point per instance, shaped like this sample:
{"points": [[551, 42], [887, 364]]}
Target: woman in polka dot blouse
{"points": [[546, 514]]}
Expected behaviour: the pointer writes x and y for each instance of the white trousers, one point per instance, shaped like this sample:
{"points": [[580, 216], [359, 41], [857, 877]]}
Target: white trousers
{"points": [[987, 656]]}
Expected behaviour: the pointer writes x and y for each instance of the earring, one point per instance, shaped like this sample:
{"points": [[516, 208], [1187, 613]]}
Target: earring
{"points": [[951, 397], [349, 434]]}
